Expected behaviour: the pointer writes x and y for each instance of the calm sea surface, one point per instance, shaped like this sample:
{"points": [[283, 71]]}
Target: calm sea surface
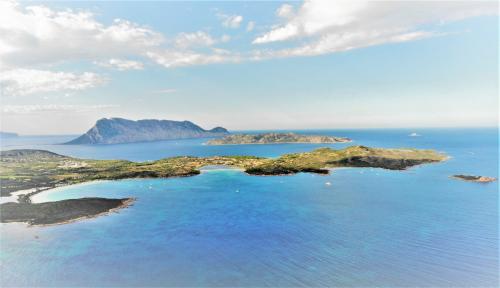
{"points": [[369, 227]]}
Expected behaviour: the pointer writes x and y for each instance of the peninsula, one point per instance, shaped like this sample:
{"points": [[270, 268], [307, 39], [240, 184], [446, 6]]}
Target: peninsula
{"points": [[275, 138], [39, 170], [118, 131]]}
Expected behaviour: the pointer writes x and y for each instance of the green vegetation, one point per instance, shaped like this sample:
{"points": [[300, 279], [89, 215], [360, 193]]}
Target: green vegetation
{"points": [[275, 138], [38, 169]]}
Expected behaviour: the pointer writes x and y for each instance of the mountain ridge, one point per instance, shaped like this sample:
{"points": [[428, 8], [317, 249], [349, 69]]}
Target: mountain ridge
{"points": [[120, 130]]}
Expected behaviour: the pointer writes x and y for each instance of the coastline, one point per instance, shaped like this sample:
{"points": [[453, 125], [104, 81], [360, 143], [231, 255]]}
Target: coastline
{"points": [[48, 213], [127, 203], [45, 170], [27, 165], [61, 186], [274, 143]]}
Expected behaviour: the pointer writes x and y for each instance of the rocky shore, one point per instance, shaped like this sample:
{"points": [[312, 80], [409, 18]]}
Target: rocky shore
{"points": [[472, 178], [60, 212]]}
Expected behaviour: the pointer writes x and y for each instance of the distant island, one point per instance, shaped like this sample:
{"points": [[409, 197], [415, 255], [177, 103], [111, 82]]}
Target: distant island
{"points": [[275, 138], [119, 130], [472, 178], [8, 134]]}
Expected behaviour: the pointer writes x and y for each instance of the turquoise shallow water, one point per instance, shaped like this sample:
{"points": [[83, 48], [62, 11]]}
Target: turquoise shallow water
{"points": [[369, 227]]}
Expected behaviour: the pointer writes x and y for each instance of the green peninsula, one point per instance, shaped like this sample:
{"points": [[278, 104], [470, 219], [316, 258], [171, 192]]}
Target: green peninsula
{"points": [[33, 171], [275, 138], [39, 170]]}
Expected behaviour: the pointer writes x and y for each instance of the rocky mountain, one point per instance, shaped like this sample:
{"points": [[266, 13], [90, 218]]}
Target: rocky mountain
{"points": [[118, 130]]}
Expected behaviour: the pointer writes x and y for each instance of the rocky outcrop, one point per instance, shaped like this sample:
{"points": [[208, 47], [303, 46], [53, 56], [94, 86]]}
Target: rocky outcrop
{"points": [[283, 170], [471, 178], [59, 212], [380, 162], [118, 130]]}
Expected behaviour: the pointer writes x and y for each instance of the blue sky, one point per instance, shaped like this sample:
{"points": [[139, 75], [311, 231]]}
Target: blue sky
{"points": [[258, 65]]}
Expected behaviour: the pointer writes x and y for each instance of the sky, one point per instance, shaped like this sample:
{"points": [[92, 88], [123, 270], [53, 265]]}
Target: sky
{"points": [[249, 65]]}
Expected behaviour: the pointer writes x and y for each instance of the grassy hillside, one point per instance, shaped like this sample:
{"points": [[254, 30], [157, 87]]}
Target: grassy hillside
{"points": [[38, 169]]}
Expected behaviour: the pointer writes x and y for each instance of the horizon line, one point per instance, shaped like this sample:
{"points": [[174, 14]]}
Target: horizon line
{"points": [[300, 129]]}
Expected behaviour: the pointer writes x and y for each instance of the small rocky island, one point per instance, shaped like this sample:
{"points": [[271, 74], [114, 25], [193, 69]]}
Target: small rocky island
{"points": [[59, 212], [40, 170], [119, 130], [275, 138], [472, 178]]}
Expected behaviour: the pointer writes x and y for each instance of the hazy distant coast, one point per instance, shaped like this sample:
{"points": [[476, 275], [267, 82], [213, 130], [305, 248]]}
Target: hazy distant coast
{"points": [[8, 134], [276, 138]]}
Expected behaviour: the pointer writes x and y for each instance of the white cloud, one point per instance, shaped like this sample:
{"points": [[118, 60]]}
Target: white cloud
{"points": [[175, 58], [28, 109], [28, 81], [250, 26], [199, 38], [332, 26], [285, 11], [36, 35], [330, 43], [230, 21], [121, 64], [39, 35]]}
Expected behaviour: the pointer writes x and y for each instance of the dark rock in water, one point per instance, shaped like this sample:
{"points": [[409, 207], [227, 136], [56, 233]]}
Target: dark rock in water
{"points": [[280, 170], [118, 130], [59, 212], [471, 178]]}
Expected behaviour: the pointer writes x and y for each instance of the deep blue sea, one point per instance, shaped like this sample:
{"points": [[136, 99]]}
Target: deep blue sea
{"points": [[354, 227]]}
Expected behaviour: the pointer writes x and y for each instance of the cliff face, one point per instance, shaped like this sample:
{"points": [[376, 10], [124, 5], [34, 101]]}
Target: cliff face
{"points": [[118, 130]]}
